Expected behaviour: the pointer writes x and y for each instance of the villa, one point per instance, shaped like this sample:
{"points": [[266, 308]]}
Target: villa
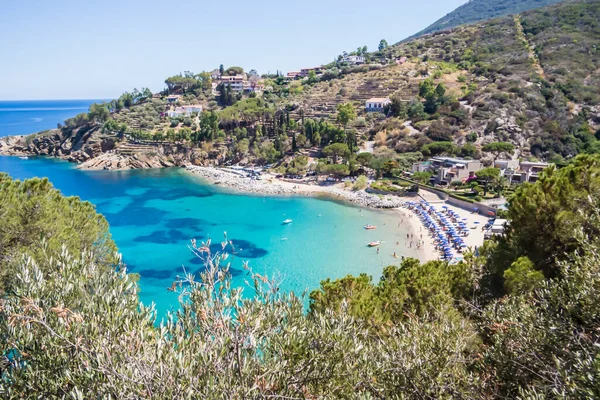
{"points": [[304, 71], [236, 82], [377, 104], [354, 60], [520, 172], [446, 169], [185, 111], [293, 75]]}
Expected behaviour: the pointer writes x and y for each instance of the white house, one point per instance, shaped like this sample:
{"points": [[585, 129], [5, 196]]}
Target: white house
{"points": [[236, 82], [377, 104], [354, 59], [185, 111], [193, 108]]}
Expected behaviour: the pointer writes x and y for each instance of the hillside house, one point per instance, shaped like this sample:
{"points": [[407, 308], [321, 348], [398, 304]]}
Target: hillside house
{"points": [[448, 169], [356, 60], [293, 75], [185, 111], [253, 87], [236, 82], [174, 98], [377, 104], [520, 172], [304, 71]]}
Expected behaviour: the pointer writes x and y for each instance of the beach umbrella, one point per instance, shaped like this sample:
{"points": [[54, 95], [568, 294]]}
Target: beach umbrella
{"points": [[476, 222]]}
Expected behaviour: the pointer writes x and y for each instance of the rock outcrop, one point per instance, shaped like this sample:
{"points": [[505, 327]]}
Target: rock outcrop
{"points": [[93, 149]]}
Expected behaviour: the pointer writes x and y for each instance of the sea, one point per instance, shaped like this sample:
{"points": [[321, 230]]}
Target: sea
{"points": [[154, 214], [29, 116]]}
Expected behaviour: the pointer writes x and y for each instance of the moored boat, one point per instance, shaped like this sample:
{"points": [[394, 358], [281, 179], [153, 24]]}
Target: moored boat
{"points": [[374, 244], [24, 158], [287, 221], [370, 227]]}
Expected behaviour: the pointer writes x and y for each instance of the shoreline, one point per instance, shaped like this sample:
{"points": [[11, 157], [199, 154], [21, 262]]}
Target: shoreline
{"points": [[276, 187], [271, 186]]}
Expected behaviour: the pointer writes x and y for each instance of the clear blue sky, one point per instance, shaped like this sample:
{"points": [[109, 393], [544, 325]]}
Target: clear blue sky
{"points": [[68, 49]]}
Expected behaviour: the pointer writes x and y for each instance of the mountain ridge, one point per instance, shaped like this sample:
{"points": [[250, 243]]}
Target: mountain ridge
{"points": [[481, 10]]}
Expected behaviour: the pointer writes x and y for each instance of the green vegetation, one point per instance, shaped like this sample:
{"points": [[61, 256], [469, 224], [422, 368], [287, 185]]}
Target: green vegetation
{"points": [[36, 219], [497, 148], [523, 85], [481, 10], [519, 320]]}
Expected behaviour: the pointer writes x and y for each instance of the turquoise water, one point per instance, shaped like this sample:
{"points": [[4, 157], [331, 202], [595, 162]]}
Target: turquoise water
{"points": [[153, 214], [30, 116]]}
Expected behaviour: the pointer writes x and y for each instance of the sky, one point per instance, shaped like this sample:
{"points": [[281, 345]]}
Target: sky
{"points": [[66, 49]]}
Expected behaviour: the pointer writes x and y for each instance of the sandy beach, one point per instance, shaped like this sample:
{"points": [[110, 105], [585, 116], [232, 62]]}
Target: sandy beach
{"points": [[270, 185]]}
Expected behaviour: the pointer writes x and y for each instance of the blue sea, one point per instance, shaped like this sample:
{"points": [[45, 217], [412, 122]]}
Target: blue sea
{"points": [[30, 116], [153, 215]]}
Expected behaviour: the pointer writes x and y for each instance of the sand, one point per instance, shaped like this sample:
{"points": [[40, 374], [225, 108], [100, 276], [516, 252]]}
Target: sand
{"points": [[270, 185]]}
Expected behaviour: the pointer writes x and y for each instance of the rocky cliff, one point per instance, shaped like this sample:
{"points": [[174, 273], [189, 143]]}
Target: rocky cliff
{"points": [[93, 149]]}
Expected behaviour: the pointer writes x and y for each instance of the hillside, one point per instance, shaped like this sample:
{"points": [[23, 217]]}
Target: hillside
{"points": [[532, 80], [481, 10]]}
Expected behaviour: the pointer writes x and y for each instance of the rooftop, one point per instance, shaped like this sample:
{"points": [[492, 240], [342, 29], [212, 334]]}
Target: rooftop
{"points": [[378, 100]]}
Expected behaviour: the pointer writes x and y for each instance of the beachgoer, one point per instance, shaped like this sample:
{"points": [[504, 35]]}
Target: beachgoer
{"points": [[378, 250]]}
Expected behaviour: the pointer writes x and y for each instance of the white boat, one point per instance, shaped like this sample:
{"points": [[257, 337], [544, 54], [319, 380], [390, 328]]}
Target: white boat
{"points": [[374, 244], [370, 227], [287, 221], [24, 158]]}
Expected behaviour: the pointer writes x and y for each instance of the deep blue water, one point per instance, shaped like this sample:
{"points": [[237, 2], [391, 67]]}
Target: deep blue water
{"points": [[30, 116]]}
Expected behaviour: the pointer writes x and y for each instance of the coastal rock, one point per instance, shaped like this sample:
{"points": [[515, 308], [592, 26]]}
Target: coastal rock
{"points": [[114, 161]]}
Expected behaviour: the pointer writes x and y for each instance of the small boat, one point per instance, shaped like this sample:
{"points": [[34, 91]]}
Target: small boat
{"points": [[370, 227], [24, 158], [374, 244], [287, 221]]}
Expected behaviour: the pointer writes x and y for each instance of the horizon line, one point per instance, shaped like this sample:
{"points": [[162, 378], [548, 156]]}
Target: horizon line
{"points": [[62, 99]]}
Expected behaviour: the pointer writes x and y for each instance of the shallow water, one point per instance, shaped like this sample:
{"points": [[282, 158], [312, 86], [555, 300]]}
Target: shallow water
{"points": [[153, 214]]}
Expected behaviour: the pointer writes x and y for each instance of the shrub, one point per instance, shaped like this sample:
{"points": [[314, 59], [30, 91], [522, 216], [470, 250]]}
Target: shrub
{"points": [[360, 183]]}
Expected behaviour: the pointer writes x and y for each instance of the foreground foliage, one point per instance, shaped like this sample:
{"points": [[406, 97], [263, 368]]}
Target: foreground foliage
{"points": [[72, 326]]}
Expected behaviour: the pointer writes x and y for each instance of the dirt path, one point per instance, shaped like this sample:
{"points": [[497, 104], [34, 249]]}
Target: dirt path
{"points": [[532, 56]]}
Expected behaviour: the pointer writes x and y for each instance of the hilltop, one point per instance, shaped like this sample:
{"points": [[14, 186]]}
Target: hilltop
{"points": [[481, 10], [531, 80]]}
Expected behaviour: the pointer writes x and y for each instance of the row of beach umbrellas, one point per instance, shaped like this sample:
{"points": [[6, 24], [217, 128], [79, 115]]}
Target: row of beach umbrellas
{"points": [[447, 236]]}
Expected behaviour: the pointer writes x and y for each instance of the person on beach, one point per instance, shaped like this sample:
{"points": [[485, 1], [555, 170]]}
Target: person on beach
{"points": [[378, 250]]}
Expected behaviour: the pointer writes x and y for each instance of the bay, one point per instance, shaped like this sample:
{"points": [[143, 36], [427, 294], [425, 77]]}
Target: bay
{"points": [[153, 215]]}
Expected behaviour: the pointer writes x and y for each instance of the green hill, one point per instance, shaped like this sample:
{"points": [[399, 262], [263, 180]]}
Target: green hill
{"points": [[481, 10], [531, 79]]}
